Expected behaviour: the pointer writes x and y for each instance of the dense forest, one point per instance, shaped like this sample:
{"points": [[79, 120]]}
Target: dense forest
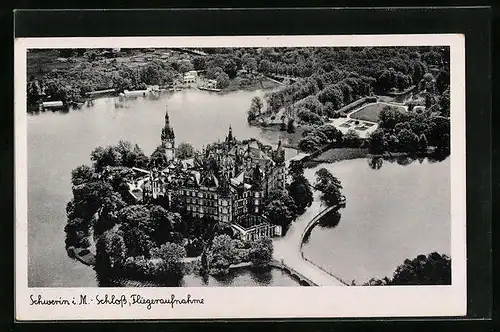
{"points": [[330, 78], [335, 76]]}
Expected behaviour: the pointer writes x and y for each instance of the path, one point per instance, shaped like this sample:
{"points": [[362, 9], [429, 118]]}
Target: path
{"points": [[287, 249]]}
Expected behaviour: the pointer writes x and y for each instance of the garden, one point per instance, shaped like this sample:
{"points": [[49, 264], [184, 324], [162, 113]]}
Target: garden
{"points": [[371, 112]]}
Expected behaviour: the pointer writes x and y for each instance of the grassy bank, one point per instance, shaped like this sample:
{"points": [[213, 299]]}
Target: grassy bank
{"points": [[338, 154]]}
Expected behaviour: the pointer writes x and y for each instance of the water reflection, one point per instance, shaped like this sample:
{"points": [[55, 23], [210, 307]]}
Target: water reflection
{"points": [[331, 219], [198, 118], [393, 213], [377, 162]]}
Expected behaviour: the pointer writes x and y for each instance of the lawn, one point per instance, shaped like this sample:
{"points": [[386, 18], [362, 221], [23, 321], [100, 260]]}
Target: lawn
{"points": [[338, 154], [371, 112]]}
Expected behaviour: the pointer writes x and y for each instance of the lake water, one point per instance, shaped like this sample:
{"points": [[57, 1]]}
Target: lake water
{"points": [[383, 223], [59, 142], [396, 212], [239, 277]]}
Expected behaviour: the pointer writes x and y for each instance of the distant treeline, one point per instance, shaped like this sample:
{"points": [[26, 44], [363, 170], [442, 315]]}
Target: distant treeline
{"points": [[335, 77]]}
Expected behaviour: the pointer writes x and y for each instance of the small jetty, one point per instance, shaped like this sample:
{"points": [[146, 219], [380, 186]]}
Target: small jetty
{"points": [[82, 255], [209, 89]]}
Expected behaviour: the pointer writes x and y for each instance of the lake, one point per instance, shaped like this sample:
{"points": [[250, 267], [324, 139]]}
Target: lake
{"points": [[239, 277], [58, 142], [392, 213]]}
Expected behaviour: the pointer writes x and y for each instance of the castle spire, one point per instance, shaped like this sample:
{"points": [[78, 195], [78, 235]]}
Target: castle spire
{"points": [[167, 118], [229, 137], [167, 131]]}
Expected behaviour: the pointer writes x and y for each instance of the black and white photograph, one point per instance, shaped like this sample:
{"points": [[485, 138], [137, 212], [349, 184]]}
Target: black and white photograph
{"points": [[262, 167]]}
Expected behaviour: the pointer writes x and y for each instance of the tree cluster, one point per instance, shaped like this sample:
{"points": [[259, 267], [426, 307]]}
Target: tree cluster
{"points": [[226, 251], [299, 188], [433, 269], [315, 137], [329, 186], [401, 131]]}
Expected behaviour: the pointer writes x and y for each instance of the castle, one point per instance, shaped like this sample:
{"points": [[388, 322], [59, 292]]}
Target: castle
{"points": [[225, 182]]}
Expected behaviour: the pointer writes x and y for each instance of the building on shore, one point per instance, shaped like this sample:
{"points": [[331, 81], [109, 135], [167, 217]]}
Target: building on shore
{"points": [[51, 105], [225, 182], [190, 76], [211, 84]]}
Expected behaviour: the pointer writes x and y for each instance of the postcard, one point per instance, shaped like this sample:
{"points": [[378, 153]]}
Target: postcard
{"points": [[240, 177]]}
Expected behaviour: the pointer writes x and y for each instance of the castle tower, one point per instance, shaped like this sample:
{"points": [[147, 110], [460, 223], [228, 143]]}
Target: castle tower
{"points": [[168, 138], [229, 138]]}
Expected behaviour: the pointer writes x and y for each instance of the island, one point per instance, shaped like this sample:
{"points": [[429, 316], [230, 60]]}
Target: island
{"points": [[228, 205]]}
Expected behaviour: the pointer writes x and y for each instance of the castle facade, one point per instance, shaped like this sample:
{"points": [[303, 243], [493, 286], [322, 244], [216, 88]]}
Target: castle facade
{"points": [[227, 182]]}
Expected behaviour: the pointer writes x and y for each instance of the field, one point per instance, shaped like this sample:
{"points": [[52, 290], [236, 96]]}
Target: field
{"points": [[371, 112], [339, 154]]}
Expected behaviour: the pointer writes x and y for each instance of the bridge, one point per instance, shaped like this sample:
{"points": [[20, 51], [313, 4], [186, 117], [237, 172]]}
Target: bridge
{"points": [[288, 249]]}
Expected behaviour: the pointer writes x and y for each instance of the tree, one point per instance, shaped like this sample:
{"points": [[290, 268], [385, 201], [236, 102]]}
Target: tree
{"points": [[333, 95], [280, 208], [213, 72], [351, 139], [408, 141], [162, 223], [81, 175], [135, 223], [111, 248], [332, 133], [329, 185], [222, 80], [250, 63], [256, 104], [390, 116], [185, 66], [438, 134], [309, 117], [300, 191], [222, 253], [444, 103], [261, 252], [252, 114], [265, 66], [151, 74], [443, 80], [392, 142], [296, 169], [435, 269], [184, 151], [230, 67], [103, 157], [89, 197], [377, 142], [108, 212], [290, 127], [171, 255], [199, 63], [310, 143], [77, 230], [131, 154]]}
